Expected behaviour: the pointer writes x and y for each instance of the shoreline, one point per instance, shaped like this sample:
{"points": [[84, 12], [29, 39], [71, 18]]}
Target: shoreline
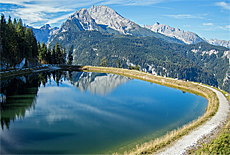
{"points": [[24, 71], [210, 127], [164, 143], [170, 143]]}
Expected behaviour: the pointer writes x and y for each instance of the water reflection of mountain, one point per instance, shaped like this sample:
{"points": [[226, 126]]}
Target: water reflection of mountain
{"points": [[97, 83], [18, 95]]}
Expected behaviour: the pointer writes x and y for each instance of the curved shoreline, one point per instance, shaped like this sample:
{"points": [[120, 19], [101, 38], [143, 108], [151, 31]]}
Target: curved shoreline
{"points": [[178, 142], [191, 140]]}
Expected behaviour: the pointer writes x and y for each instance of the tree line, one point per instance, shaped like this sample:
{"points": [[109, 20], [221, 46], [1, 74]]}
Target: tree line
{"points": [[18, 42], [56, 55]]}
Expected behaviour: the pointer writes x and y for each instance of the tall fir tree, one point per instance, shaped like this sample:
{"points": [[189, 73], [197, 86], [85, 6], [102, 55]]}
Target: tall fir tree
{"points": [[70, 56], [17, 42]]}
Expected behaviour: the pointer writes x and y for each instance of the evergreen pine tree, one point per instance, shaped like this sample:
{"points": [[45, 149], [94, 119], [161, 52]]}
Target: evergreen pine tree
{"points": [[58, 53], [70, 56], [64, 56]]}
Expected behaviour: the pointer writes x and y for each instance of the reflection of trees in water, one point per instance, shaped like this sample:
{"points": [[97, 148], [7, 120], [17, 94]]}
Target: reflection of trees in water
{"points": [[20, 94]]}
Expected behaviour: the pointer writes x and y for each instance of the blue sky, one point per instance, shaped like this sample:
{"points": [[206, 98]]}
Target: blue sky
{"points": [[207, 18]]}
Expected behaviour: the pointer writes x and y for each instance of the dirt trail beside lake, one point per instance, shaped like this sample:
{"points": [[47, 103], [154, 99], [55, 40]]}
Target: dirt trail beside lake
{"points": [[182, 145]]}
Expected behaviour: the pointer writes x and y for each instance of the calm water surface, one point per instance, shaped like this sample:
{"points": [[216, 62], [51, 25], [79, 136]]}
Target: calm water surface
{"points": [[83, 113]]}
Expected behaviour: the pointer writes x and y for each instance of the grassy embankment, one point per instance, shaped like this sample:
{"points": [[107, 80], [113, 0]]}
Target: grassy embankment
{"points": [[159, 143], [21, 72]]}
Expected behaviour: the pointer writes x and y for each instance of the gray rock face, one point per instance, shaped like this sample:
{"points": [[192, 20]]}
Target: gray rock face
{"points": [[219, 42], [99, 18], [107, 16], [186, 37]]}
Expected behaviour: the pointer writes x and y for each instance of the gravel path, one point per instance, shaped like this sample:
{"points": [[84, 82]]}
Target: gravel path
{"points": [[190, 140]]}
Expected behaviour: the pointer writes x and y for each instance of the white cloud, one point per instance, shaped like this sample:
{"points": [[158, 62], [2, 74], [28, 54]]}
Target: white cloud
{"points": [[184, 16], [227, 27], [142, 2], [35, 12], [208, 24], [186, 26], [55, 20], [224, 5], [42, 11]]}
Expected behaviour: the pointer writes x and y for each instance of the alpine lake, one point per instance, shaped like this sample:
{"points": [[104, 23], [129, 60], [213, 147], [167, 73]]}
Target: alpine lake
{"points": [[63, 112]]}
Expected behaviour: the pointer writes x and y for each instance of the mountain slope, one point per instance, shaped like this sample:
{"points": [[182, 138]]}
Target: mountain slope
{"points": [[157, 56], [100, 31]]}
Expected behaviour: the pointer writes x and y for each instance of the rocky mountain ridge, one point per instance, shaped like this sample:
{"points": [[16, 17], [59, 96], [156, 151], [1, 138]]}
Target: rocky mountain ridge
{"points": [[187, 37], [218, 42]]}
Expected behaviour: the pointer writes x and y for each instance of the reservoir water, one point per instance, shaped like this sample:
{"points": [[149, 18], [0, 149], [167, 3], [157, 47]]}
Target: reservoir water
{"points": [[89, 113]]}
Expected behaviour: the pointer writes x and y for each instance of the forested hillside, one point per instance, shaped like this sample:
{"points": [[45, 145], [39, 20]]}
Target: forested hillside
{"points": [[154, 55], [18, 42]]}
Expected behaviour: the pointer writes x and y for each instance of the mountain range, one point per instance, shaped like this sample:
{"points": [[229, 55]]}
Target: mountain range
{"points": [[105, 19], [186, 37], [159, 49]]}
